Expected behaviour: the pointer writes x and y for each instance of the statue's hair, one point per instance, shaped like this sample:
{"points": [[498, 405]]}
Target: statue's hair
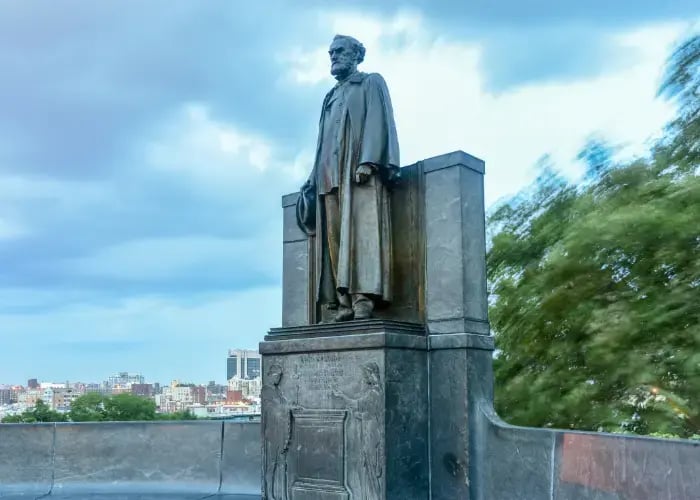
{"points": [[356, 45], [275, 368]]}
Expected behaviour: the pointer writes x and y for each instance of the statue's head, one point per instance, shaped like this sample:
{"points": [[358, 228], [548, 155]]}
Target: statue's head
{"points": [[275, 374], [346, 53]]}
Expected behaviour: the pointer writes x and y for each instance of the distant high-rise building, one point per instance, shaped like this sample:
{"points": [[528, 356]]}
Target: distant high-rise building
{"points": [[122, 382], [33, 383], [243, 364], [143, 390], [5, 396], [252, 368], [199, 394], [231, 366]]}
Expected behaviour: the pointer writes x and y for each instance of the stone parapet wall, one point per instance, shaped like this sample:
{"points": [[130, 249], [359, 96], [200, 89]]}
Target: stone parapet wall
{"points": [[165, 459], [223, 460], [528, 463]]}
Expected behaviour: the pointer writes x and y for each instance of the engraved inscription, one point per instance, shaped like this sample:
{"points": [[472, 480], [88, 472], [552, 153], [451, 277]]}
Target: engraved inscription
{"points": [[320, 372]]}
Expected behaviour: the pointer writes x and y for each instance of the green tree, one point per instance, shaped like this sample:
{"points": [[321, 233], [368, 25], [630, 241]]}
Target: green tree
{"points": [[41, 412], [88, 408], [682, 84], [595, 288], [178, 415], [123, 407]]}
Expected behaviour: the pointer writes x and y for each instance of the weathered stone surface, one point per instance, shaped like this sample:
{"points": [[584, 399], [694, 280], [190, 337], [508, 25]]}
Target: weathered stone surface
{"points": [[241, 461], [26, 452], [133, 494], [129, 460], [443, 214], [455, 244], [407, 434], [136, 495], [591, 466], [124, 457], [580, 465], [345, 415], [295, 267], [295, 283], [515, 463], [291, 230], [460, 377]]}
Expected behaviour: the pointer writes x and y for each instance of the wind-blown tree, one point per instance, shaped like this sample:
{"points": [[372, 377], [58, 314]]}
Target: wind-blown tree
{"points": [[596, 287]]}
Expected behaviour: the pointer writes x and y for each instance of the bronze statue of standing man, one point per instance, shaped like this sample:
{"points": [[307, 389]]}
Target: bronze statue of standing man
{"points": [[345, 202]]}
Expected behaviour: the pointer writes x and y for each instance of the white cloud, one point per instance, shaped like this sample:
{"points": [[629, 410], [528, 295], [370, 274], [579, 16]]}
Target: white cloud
{"points": [[441, 104], [216, 155]]}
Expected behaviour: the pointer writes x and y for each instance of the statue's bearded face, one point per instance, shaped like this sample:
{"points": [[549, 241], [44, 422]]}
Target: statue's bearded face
{"points": [[343, 58]]}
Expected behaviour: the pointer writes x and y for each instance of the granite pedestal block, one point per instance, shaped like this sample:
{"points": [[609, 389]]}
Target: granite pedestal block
{"points": [[345, 412]]}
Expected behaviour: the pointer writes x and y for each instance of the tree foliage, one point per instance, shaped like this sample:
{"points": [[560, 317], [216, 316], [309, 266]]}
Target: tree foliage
{"points": [[124, 407], [41, 412], [596, 287], [95, 407], [88, 408]]}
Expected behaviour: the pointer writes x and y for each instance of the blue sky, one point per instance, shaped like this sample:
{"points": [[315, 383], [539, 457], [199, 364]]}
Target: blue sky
{"points": [[144, 148]]}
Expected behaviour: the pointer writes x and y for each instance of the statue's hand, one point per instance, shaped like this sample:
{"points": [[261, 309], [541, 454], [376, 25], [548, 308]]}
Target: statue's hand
{"points": [[363, 173]]}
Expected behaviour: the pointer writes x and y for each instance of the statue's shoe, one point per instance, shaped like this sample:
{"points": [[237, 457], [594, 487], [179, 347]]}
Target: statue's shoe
{"points": [[363, 310], [344, 314]]}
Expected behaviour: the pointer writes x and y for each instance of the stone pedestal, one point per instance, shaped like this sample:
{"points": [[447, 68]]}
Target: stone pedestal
{"points": [[387, 408], [345, 411]]}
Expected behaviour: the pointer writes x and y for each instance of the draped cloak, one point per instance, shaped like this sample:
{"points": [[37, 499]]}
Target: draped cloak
{"points": [[364, 132]]}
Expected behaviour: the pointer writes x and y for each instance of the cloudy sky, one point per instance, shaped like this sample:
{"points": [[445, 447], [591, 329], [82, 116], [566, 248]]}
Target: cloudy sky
{"points": [[144, 148]]}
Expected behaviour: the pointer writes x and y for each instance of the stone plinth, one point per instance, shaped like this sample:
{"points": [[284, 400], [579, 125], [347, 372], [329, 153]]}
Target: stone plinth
{"points": [[345, 411]]}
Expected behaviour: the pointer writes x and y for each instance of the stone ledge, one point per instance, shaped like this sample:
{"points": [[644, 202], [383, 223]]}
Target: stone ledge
{"points": [[459, 324], [290, 199], [360, 327], [461, 341], [453, 159], [367, 334], [359, 341]]}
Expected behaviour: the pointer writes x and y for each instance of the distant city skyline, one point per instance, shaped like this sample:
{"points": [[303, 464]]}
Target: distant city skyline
{"points": [[238, 396], [222, 365]]}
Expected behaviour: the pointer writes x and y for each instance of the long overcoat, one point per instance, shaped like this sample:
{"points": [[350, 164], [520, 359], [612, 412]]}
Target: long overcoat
{"points": [[366, 134]]}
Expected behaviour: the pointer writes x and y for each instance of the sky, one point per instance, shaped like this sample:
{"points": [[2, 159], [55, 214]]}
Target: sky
{"points": [[145, 147]]}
